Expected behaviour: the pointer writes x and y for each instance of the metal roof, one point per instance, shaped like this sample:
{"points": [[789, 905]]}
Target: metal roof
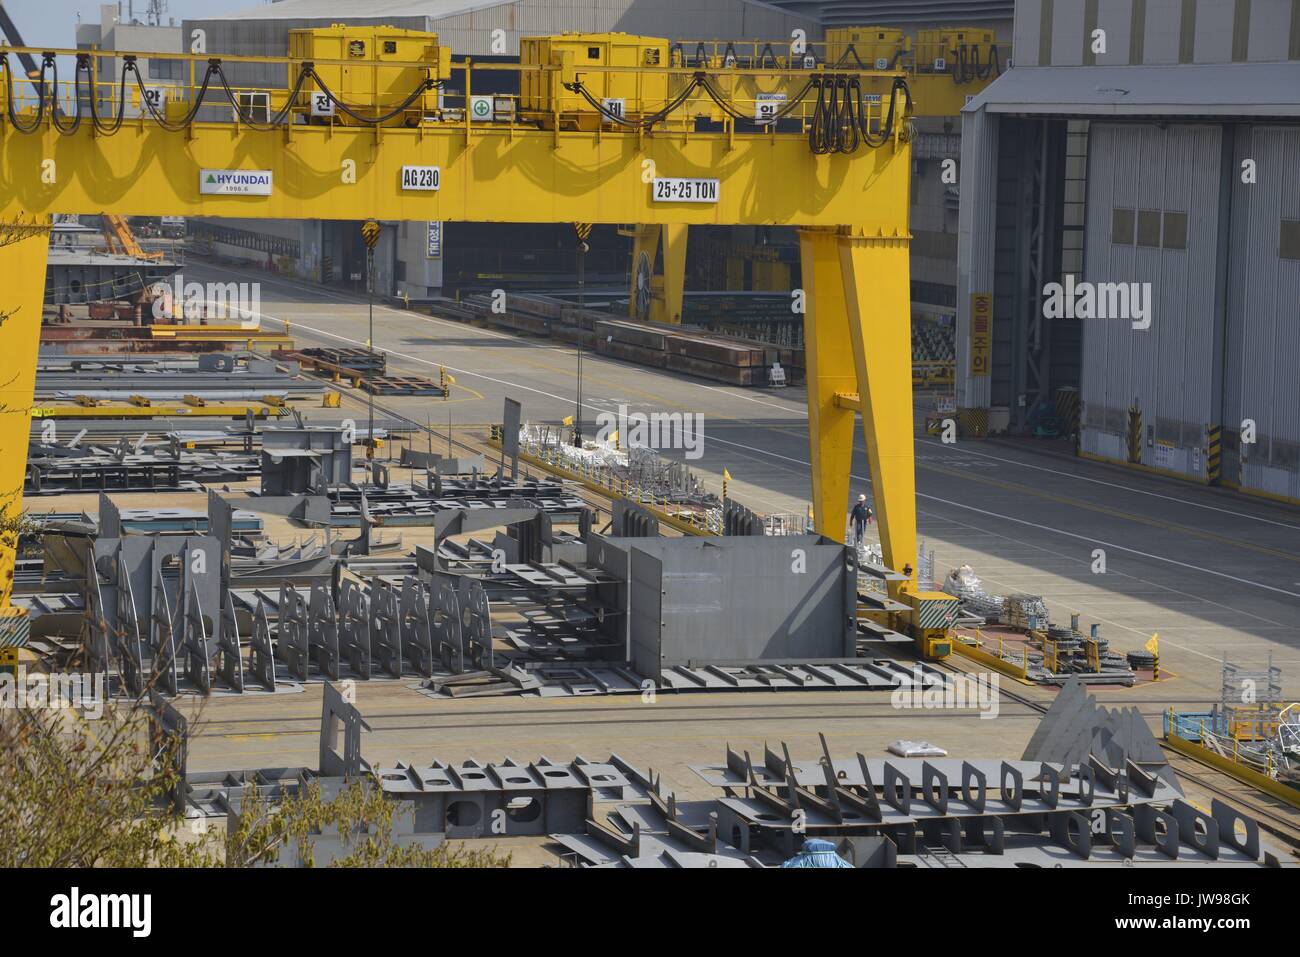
{"points": [[1201, 89], [341, 10], [826, 12], [854, 13]]}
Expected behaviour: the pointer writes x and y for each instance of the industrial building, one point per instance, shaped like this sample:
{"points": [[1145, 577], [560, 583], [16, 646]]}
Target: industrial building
{"points": [[118, 29], [1150, 149]]}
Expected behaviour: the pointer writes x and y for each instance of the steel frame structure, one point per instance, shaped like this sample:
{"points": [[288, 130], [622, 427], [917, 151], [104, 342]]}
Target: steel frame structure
{"points": [[852, 207]]}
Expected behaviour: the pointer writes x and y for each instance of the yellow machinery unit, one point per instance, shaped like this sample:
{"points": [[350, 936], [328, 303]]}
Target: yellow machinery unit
{"points": [[933, 616], [965, 53], [633, 92], [871, 48], [372, 70], [944, 67]]}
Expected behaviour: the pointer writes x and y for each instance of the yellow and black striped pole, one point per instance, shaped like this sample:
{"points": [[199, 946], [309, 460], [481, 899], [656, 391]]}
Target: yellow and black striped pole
{"points": [[1214, 454], [1134, 434]]}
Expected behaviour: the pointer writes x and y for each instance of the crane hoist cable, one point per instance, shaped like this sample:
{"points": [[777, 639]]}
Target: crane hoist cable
{"points": [[131, 70], [10, 83], [840, 118], [966, 66], [646, 122], [706, 83], [851, 50], [428, 84]]}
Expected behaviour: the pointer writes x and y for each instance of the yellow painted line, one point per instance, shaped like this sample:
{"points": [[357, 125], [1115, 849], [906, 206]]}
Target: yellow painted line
{"points": [[1139, 467], [1259, 493]]}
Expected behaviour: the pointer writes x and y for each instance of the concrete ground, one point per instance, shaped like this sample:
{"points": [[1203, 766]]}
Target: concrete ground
{"points": [[1212, 572]]}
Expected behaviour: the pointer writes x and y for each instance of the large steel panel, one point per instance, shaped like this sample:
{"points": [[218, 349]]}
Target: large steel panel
{"points": [[645, 617], [1167, 370], [734, 600], [1262, 371]]}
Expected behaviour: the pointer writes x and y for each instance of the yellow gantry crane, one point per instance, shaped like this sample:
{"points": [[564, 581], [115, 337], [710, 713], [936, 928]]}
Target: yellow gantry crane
{"points": [[605, 129]]}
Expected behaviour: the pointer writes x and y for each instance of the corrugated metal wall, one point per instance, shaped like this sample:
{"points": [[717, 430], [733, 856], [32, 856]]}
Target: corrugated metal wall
{"points": [[1059, 32], [470, 34], [1262, 371], [975, 231], [1168, 370]]}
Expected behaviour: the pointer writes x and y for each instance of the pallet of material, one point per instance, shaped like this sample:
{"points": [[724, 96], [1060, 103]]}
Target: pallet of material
{"points": [[633, 333], [357, 360], [400, 385], [587, 318], [715, 350], [629, 352], [545, 306], [717, 371]]}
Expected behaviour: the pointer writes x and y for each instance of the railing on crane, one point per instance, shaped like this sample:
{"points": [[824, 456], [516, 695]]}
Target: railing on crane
{"points": [[598, 82]]}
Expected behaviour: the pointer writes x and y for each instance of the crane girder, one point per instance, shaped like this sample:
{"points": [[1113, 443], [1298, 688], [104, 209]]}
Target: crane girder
{"points": [[484, 176]]}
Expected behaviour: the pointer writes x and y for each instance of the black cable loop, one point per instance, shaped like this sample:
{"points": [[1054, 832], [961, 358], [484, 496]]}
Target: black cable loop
{"points": [[214, 66], [10, 85], [273, 121], [428, 84], [72, 127], [101, 127], [646, 123], [707, 85], [854, 115], [850, 49], [818, 138]]}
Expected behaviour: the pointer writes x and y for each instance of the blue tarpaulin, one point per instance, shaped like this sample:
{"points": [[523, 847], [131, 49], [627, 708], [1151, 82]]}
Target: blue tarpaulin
{"points": [[817, 853]]}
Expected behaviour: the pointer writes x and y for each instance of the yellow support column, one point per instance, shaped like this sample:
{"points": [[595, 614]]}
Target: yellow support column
{"points": [[665, 290], [830, 369], [877, 294], [24, 249], [674, 271], [645, 249]]}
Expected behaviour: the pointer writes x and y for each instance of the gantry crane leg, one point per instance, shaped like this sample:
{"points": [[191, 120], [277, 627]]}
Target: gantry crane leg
{"points": [[877, 291], [859, 354], [674, 270], [830, 371], [668, 288], [24, 252]]}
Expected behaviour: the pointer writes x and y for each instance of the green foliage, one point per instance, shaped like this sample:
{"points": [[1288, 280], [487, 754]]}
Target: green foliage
{"points": [[82, 793], [361, 816]]}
